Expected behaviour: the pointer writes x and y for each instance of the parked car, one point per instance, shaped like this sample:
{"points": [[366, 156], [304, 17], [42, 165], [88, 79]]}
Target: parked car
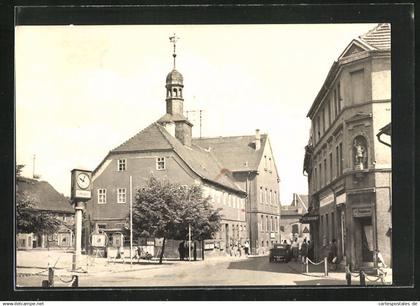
{"points": [[280, 252]]}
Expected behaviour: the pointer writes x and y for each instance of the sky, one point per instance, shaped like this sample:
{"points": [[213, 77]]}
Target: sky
{"points": [[83, 90]]}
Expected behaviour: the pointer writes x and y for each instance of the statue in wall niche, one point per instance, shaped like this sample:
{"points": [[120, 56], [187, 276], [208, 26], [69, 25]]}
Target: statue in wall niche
{"points": [[359, 154]]}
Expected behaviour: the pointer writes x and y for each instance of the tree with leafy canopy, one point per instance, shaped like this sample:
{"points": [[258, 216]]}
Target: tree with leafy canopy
{"points": [[165, 210], [30, 219]]}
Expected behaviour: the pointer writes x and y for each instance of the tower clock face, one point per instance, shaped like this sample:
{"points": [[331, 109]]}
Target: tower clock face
{"points": [[83, 180]]}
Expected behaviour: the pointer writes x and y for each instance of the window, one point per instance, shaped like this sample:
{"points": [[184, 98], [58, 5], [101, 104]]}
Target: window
{"points": [[269, 164], [266, 195], [121, 195], [101, 196], [282, 228], [266, 224], [318, 128], [122, 164], [275, 197], [331, 168], [340, 106], [323, 121], [261, 195], [101, 225], [272, 224], [337, 162], [329, 112], [271, 196], [265, 162], [320, 175], [262, 223], [357, 86], [341, 157], [160, 163], [336, 110], [332, 225], [325, 171]]}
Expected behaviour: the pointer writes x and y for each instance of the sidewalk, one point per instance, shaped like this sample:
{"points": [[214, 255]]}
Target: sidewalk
{"points": [[339, 276]]}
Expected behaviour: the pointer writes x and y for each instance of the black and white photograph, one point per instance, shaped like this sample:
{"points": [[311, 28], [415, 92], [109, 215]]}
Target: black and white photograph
{"points": [[157, 155], [153, 155]]}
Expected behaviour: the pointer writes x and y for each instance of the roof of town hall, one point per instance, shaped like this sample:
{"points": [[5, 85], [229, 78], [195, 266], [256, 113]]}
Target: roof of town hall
{"points": [[376, 40], [236, 153], [156, 138], [44, 196]]}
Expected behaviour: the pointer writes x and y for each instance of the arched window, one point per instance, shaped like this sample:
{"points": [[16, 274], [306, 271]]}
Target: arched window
{"points": [[175, 92], [360, 153]]}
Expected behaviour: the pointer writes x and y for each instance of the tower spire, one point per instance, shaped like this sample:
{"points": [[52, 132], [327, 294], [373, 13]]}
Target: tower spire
{"points": [[173, 39]]}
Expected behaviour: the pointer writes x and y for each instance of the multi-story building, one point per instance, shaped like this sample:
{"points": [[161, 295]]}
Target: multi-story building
{"points": [[349, 170], [238, 173], [250, 161], [290, 225]]}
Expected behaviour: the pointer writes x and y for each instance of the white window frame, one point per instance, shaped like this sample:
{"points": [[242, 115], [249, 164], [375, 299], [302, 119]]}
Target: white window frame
{"points": [[121, 192], [261, 195], [159, 160], [122, 162], [99, 195]]}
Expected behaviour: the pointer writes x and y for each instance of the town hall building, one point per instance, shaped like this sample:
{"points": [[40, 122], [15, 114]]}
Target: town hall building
{"points": [[238, 173]]}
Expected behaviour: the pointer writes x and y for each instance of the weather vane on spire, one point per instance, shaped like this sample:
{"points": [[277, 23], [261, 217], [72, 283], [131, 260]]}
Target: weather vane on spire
{"points": [[173, 39]]}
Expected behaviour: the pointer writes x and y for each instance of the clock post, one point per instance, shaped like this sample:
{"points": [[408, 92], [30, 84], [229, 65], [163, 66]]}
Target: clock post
{"points": [[81, 192]]}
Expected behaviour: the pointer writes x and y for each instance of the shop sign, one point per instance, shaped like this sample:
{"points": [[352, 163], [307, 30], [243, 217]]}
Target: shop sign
{"points": [[150, 241], [362, 212], [341, 199], [209, 246], [326, 200], [309, 218], [98, 240], [272, 235]]}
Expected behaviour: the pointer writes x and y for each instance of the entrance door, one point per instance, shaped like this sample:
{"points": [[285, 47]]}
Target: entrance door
{"points": [[367, 239]]}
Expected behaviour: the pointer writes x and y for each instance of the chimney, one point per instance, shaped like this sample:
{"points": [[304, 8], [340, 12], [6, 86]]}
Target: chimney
{"points": [[257, 140]]}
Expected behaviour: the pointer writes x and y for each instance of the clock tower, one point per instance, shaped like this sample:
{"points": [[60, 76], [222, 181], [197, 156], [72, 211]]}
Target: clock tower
{"points": [[174, 120]]}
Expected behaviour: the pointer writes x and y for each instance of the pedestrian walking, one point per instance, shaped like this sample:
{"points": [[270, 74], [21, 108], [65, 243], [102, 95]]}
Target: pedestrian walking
{"points": [[295, 249], [195, 251], [304, 251], [310, 250], [332, 256], [181, 250], [246, 247]]}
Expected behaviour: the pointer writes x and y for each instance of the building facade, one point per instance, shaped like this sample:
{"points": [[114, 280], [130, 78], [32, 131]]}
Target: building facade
{"points": [[46, 199], [290, 225], [250, 161], [349, 170]]}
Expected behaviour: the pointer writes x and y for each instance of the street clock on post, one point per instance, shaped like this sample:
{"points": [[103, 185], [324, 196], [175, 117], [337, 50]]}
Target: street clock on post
{"points": [[81, 185]]}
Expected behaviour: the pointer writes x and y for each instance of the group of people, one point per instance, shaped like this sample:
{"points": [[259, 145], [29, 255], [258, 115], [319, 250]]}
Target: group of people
{"points": [[236, 248], [301, 250]]}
